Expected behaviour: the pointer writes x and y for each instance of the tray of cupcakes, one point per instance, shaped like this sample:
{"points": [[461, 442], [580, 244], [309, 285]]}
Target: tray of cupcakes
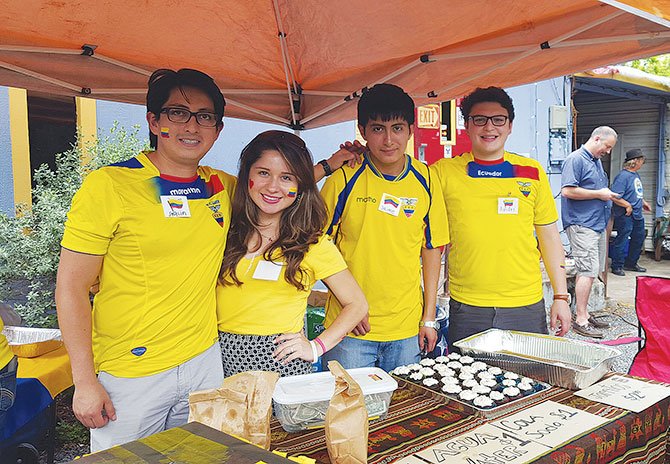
{"points": [[487, 389]]}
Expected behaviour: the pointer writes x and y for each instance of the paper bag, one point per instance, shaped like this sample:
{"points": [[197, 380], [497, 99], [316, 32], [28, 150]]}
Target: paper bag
{"points": [[241, 407], [346, 420]]}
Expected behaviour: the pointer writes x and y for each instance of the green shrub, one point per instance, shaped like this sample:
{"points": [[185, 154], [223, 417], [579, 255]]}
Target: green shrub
{"points": [[30, 240]]}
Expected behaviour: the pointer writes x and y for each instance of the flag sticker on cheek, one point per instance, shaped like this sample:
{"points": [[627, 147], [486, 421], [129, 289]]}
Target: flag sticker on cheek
{"points": [[165, 132], [251, 184], [292, 192]]}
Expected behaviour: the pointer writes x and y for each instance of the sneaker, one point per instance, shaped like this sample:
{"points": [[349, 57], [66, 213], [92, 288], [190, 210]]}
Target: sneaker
{"points": [[597, 324], [618, 271], [587, 330], [636, 268]]}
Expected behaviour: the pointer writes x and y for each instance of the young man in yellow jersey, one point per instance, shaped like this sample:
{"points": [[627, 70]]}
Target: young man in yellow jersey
{"points": [[153, 229], [498, 203], [386, 221]]}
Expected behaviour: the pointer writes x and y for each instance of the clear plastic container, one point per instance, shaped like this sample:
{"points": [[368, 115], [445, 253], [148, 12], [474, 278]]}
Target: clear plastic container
{"points": [[301, 401]]}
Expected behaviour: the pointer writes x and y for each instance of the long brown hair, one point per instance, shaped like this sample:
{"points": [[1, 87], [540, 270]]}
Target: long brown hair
{"points": [[300, 225]]}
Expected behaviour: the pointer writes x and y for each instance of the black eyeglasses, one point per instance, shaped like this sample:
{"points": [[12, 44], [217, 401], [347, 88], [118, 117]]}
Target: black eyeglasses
{"points": [[182, 115], [497, 120]]}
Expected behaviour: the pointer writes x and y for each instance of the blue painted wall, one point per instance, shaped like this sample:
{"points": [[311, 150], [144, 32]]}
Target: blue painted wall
{"points": [[6, 177]]}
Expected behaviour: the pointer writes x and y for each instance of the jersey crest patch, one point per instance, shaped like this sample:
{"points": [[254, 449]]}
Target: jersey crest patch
{"points": [[408, 205], [524, 187]]}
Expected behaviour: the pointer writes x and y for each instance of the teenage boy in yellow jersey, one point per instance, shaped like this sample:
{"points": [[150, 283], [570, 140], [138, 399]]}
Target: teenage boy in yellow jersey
{"points": [[497, 202], [153, 229], [386, 222]]}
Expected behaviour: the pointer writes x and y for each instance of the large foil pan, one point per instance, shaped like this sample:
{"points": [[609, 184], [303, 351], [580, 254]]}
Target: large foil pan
{"points": [[557, 361], [28, 342]]}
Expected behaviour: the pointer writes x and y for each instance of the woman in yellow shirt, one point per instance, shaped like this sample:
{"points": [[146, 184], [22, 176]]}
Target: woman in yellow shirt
{"points": [[275, 253]]}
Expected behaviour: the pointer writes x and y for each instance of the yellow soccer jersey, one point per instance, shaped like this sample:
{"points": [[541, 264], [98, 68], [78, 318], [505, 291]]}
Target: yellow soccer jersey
{"points": [[266, 303], [162, 239], [6, 353], [493, 210], [380, 224]]}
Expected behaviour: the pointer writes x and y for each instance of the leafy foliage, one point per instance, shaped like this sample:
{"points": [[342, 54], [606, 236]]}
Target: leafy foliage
{"points": [[30, 240], [659, 65]]}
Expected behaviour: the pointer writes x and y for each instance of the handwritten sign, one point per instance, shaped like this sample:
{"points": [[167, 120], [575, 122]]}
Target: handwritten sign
{"points": [[550, 423], [623, 392], [516, 439]]}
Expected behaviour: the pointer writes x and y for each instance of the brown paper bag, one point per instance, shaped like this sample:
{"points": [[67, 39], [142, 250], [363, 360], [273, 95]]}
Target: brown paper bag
{"points": [[346, 420], [241, 407]]}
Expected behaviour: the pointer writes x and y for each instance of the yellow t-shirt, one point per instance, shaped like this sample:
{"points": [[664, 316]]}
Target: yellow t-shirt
{"points": [[6, 353], [162, 239], [493, 210], [265, 303], [380, 224]]}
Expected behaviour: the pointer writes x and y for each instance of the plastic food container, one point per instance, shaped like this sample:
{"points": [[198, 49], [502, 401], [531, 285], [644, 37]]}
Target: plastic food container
{"points": [[301, 401], [27, 342], [559, 361]]}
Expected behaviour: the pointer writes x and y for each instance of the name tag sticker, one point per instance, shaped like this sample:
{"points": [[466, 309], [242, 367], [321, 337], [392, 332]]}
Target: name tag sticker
{"points": [[175, 206], [508, 205], [267, 270], [390, 204]]}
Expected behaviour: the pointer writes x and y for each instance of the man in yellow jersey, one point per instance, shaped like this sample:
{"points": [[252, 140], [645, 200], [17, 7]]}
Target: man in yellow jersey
{"points": [[8, 366], [153, 229], [498, 203], [386, 221]]}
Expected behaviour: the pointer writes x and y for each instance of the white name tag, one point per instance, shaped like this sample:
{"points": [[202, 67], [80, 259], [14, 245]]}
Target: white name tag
{"points": [[390, 204], [175, 206], [267, 270], [508, 205]]}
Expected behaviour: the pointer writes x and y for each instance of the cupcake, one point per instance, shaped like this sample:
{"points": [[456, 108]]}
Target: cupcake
{"points": [[442, 359], [468, 369], [508, 383], [416, 376], [497, 397], [451, 388], [527, 380], [443, 370], [449, 379], [481, 389], [478, 366], [427, 362], [470, 383], [454, 356], [467, 396], [490, 383], [465, 376], [466, 360], [401, 371], [455, 365], [483, 402], [431, 383], [485, 375], [414, 367], [525, 388], [511, 375], [511, 392], [427, 372], [495, 371]]}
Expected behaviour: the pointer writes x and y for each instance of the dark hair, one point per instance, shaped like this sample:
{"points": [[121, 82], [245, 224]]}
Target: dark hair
{"points": [[489, 94], [300, 225], [163, 81], [385, 102]]}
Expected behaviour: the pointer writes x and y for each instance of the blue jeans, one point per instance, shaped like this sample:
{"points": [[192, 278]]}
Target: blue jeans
{"points": [[7, 389], [354, 352], [625, 227]]}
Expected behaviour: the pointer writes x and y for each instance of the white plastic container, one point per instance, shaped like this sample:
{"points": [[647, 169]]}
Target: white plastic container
{"points": [[301, 401]]}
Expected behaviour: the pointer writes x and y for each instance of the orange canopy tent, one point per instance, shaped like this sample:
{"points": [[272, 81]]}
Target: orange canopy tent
{"points": [[302, 63]]}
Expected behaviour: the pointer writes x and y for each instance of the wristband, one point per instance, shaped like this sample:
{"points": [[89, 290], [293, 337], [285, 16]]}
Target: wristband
{"points": [[562, 296], [326, 167], [315, 354], [321, 344]]}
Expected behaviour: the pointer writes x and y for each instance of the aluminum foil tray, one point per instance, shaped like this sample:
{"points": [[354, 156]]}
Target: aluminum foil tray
{"points": [[27, 342], [557, 361]]}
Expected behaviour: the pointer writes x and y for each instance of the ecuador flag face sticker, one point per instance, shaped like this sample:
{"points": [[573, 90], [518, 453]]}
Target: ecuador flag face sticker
{"points": [[165, 132], [292, 192]]}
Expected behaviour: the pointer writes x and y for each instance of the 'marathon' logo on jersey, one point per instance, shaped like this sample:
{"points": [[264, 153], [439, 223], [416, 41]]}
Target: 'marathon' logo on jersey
{"points": [[366, 200]]}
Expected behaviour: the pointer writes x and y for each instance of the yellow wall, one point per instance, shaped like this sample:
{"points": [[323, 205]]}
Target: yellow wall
{"points": [[86, 123], [18, 129]]}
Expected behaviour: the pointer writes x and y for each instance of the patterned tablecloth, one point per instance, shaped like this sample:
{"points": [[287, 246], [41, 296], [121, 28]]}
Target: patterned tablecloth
{"points": [[419, 418]]}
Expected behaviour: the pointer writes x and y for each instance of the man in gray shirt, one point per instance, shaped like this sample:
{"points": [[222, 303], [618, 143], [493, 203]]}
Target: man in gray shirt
{"points": [[586, 203]]}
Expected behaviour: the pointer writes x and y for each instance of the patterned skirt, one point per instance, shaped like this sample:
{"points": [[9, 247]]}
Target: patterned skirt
{"points": [[242, 353]]}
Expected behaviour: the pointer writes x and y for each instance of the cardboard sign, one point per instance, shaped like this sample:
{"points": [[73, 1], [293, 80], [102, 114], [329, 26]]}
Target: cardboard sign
{"points": [[626, 393], [519, 438]]}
